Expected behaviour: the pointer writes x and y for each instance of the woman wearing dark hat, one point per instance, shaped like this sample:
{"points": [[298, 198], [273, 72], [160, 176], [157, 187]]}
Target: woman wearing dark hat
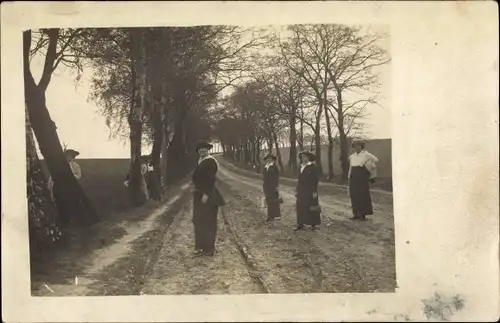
{"points": [[270, 186], [307, 206], [206, 201], [359, 180]]}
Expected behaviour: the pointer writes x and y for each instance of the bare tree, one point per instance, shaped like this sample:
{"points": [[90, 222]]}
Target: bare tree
{"points": [[135, 119], [357, 56], [302, 53], [287, 91], [335, 59], [70, 197]]}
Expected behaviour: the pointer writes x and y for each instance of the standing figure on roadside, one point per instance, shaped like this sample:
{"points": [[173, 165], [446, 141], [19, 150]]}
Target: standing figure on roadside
{"points": [[206, 201], [152, 181], [359, 180], [270, 186], [307, 205]]}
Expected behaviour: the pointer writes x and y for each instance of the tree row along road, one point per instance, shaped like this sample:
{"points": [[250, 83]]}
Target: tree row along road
{"points": [[256, 257]]}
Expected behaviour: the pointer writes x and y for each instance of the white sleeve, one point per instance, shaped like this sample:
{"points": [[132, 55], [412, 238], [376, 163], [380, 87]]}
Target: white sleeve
{"points": [[350, 167], [371, 157]]}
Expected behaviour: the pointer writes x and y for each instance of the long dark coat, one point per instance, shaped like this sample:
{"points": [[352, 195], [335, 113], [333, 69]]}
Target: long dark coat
{"points": [[306, 186], [271, 192], [205, 214]]}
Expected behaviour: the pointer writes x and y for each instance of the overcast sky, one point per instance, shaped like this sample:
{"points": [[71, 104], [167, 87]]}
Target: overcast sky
{"points": [[81, 127]]}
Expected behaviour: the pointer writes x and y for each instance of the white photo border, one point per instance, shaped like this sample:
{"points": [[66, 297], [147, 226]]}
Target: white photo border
{"points": [[444, 112]]}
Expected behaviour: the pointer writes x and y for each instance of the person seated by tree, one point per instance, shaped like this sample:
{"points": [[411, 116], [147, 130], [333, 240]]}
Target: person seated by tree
{"points": [[143, 185], [70, 155]]}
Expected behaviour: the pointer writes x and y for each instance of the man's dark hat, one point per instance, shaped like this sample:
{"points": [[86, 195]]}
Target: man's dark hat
{"points": [[310, 154], [204, 144], [270, 156], [73, 153]]}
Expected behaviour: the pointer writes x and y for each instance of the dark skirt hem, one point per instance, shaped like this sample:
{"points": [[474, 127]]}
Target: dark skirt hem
{"points": [[304, 214], [359, 191]]}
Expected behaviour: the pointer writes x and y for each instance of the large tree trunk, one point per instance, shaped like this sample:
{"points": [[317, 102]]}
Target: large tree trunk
{"points": [[158, 135], [317, 141], [138, 190], [278, 152], [165, 117], [292, 160], [164, 160], [344, 149], [71, 201], [42, 215], [158, 119], [177, 154], [330, 141], [301, 133]]}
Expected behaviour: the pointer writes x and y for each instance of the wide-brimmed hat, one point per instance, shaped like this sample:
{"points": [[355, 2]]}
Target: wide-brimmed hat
{"points": [[71, 152], [204, 144], [269, 156], [360, 142]]}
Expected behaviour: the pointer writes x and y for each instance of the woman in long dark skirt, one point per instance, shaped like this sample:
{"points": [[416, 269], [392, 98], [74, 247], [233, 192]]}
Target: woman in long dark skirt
{"points": [[307, 193], [359, 181], [206, 201], [270, 187]]}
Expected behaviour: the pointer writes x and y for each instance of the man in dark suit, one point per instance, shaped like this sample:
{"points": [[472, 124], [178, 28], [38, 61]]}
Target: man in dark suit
{"points": [[206, 201], [270, 186], [307, 205]]}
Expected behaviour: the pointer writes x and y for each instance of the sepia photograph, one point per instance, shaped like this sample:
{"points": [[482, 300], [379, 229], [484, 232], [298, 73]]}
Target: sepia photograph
{"points": [[209, 160], [249, 162]]}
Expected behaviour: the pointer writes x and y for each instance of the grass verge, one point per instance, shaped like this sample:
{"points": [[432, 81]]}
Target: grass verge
{"points": [[72, 254]]}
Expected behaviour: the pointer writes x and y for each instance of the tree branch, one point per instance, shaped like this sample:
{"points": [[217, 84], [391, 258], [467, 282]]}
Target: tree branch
{"points": [[48, 67]]}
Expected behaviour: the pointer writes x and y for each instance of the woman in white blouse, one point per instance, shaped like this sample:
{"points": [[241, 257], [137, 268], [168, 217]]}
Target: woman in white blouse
{"points": [[360, 164]]}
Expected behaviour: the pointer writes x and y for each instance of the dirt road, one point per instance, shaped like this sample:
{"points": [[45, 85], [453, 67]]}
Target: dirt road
{"points": [[343, 256], [255, 257], [252, 256]]}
